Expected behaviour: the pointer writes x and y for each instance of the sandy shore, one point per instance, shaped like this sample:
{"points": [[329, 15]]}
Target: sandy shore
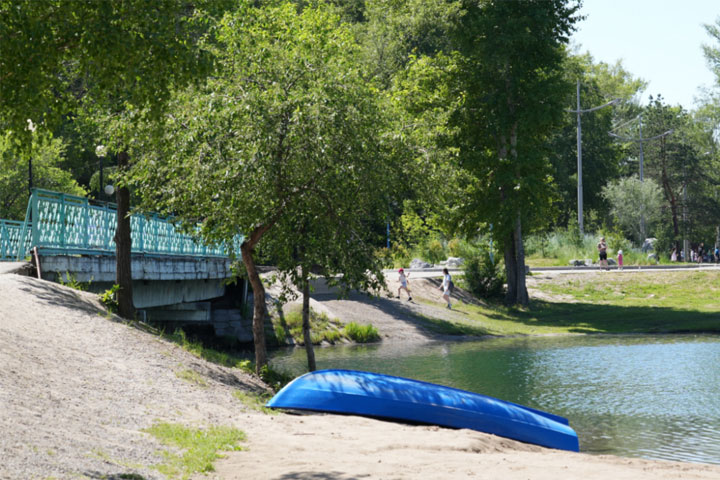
{"points": [[78, 387]]}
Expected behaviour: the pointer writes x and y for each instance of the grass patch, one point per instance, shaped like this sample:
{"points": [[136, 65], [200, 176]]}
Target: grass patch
{"points": [[254, 401], [603, 302], [198, 448], [209, 354], [361, 333], [322, 328], [274, 378], [192, 376]]}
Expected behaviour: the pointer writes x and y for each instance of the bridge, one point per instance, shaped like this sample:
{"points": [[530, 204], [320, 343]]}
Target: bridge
{"points": [[176, 277]]}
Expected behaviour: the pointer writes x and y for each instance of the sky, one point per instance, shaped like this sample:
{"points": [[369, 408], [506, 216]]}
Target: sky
{"points": [[659, 41]]}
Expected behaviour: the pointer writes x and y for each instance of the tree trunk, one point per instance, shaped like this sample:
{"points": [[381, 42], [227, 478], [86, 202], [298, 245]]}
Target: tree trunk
{"points": [[522, 293], [123, 247], [306, 321], [667, 189], [510, 271], [258, 306]]}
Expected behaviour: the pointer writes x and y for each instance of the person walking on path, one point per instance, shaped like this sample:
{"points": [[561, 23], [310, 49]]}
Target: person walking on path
{"points": [[620, 259], [446, 287], [403, 284], [602, 251]]}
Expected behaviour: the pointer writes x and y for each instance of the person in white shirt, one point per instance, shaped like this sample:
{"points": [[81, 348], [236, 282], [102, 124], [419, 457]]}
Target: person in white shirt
{"points": [[446, 286]]}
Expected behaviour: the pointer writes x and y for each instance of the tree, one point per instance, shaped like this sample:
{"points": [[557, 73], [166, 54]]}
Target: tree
{"points": [[47, 157], [602, 157], [395, 31], [510, 79], [633, 202], [672, 160], [116, 57], [279, 146]]}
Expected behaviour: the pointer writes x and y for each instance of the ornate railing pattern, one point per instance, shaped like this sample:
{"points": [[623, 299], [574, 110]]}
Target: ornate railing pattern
{"points": [[66, 224], [10, 234]]}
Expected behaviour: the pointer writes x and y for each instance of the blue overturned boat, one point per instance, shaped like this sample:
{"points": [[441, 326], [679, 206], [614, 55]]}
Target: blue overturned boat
{"points": [[387, 397]]}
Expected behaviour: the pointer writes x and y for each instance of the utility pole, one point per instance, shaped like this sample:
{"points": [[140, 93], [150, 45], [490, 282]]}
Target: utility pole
{"points": [[640, 140], [580, 111]]}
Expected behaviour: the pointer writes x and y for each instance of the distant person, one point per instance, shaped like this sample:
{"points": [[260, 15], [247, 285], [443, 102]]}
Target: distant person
{"points": [[674, 255], [446, 287], [700, 253], [403, 284], [620, 259], [602, 252]]}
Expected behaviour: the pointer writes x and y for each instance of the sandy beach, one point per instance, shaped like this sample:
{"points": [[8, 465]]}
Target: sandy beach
{"points": [[78, 387]]}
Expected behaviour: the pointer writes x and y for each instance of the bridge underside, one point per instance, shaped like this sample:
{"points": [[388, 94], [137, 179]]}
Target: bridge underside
{"points": [[166, 290]]}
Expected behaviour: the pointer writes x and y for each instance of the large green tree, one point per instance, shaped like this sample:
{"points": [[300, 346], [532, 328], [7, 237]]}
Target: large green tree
{"points": [[602, 157], [116, 57], [283, 145], [47, 158], [511, 81]]}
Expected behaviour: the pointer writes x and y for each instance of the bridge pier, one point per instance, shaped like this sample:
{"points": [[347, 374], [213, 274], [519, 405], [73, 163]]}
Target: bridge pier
{"points": [[166, 290]]}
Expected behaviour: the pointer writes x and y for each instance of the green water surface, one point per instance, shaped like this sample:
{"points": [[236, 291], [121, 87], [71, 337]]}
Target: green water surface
{"points": [[640, 396]]}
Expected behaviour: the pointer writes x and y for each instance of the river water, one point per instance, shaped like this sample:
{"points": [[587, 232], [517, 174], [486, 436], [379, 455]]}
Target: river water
{"points": [[654, 397]]}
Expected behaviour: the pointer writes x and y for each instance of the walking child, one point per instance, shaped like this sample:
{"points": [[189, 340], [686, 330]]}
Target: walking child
{"points": [[446, 286], [403, 284], [620, 259]]}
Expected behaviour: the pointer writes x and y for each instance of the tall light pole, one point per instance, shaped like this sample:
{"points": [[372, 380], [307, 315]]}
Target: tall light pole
{"points": [[580, 111], [640, 140]]}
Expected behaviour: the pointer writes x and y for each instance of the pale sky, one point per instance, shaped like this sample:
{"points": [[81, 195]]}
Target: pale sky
{"points": [[659, 41]]}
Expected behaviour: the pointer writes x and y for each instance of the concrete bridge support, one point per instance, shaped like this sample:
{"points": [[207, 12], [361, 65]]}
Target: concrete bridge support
{"points": [[166, 290]]}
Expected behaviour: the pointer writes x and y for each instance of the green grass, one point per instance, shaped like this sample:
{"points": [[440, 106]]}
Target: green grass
{"points": [[192, 376], [322, 329], [607, 302], [209, 354], [197, 449], [361, 333], [255, 401]]}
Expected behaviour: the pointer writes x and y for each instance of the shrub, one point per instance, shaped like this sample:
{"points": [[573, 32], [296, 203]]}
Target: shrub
{"points": [[483, 278], [433, 251], [322, 328], [385, 257], [109, 298], [400, 255], [361, 333]]}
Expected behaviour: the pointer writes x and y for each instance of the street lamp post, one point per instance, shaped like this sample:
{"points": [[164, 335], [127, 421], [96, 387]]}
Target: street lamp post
{"points": [[580, 111]]}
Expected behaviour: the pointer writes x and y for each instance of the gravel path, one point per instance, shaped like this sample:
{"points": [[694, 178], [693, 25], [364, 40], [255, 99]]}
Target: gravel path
{"points": [[77, 387], [397, 320]]}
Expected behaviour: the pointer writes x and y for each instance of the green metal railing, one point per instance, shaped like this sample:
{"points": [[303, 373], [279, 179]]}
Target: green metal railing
{"points": [[66, 224], [10, 233]]}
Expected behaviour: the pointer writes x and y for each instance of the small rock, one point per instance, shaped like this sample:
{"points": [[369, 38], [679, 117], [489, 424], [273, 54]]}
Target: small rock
{"points": [[455, 261], [418, 263]]}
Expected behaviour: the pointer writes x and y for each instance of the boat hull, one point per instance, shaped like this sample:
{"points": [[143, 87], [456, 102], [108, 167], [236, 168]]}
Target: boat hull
{"points": [[397, 398]]}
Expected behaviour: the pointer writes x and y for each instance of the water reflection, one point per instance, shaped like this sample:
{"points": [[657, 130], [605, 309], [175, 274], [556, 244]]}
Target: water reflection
{"points": [[648, 396]]}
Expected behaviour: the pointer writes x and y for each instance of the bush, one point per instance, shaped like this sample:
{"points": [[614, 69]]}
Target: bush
{"points": [[361, 333], [322, 328], [483, 278], [400, 255], [433, 251]]}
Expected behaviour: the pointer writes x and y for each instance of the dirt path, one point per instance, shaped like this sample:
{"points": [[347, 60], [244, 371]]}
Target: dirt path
{"points": [[397, 320]]}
